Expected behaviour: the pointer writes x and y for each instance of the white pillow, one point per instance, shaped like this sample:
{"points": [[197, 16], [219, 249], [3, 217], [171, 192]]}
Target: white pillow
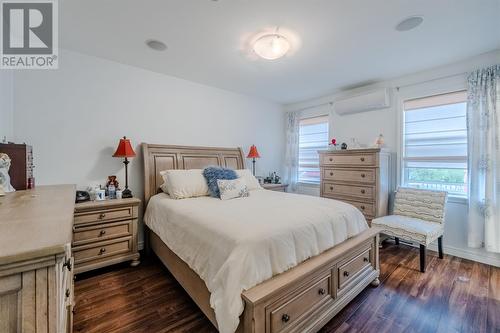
{"points": [[250, 180], [182, 184], [164, 185], [234, 188]]}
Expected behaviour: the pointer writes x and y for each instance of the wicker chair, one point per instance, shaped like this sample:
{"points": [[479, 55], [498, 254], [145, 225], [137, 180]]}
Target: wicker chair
{"points": [[418, 217]]}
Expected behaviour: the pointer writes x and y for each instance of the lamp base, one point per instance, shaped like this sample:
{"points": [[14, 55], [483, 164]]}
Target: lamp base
{"points": [[127, 194]]}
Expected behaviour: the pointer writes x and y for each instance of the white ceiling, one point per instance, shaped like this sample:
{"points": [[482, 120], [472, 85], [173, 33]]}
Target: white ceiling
{"points": [[337, 43]]}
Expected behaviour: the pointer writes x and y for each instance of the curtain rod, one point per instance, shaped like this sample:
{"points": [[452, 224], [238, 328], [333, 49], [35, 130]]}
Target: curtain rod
{"points": [[431, 80]]}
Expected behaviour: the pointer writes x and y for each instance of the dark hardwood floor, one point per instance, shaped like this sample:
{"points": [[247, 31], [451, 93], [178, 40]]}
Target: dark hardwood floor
{"points": [[454, 295]]}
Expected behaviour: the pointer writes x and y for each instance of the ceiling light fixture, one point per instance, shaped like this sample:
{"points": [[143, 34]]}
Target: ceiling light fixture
{"points": [[156, 45], [271, 46], [409, 23]]}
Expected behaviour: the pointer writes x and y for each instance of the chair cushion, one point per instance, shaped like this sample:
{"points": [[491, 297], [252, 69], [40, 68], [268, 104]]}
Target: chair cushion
{"points": [[410, 228]]}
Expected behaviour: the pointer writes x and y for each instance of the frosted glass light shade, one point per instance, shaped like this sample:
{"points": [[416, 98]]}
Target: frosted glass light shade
{"points": [[271, 47]]}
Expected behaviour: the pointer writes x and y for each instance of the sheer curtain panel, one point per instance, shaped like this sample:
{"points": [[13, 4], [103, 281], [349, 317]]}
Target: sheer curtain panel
{"points": [[483, 104]]}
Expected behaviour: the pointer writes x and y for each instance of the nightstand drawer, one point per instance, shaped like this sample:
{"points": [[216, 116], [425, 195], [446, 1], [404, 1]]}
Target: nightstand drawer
{"points": [[101, 250], [349, 175], [103, 215], [100, 232]]}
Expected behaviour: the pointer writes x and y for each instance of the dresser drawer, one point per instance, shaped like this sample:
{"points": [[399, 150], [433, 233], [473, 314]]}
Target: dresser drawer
{"points": [[99, 250], [285, 313], [365, 192], [349, 175], [100, 232], [353, 267], [367, 208], [360, 159], [103, 215]]}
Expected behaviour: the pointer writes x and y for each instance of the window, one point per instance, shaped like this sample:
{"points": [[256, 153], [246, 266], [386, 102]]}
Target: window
{"points": [[435, 143], [313, 136]]}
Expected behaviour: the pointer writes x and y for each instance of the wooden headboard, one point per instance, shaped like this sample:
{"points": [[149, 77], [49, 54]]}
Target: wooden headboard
{"points": [[164, 157]]}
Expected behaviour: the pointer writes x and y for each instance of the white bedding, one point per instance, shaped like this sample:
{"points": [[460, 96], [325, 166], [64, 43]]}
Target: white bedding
{"points": [[234, 245]]}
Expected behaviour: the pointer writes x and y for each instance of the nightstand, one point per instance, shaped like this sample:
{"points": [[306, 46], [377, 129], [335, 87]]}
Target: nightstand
{"points": [[105, 233], [275, 187]]}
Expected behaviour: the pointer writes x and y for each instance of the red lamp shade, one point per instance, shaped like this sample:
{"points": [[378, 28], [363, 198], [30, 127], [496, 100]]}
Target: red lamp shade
{"points": [[124, 149], [253, 153]]}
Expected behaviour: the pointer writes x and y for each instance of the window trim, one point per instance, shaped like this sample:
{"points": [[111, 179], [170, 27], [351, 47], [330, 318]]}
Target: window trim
{"points": [[421, 90], [305, 118]]}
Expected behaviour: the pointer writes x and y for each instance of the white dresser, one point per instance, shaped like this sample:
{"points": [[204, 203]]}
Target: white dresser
{"points": [[359, 177]]}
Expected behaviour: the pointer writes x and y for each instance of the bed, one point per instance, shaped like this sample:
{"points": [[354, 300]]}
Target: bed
{"points": [[272, 262]]}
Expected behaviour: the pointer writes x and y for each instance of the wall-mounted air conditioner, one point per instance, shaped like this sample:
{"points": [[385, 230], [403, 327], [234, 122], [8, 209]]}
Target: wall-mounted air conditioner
{"points": [[373, 100]]}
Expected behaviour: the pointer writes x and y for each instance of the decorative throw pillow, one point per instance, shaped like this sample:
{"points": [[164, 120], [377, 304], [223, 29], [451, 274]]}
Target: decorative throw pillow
{"points": [[212, 174], [230, 189], [250, 180], [182, 184]]}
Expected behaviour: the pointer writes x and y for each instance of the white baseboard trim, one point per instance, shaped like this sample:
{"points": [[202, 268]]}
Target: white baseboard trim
{"points": [[466, 254], [463, 253]]}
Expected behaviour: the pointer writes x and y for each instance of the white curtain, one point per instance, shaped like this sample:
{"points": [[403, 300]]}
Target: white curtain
{"points": [[292, 149], [483, 108]]}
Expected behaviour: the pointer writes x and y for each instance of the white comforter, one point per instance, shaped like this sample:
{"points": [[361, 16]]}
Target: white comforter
{"points": [[234, 245]]}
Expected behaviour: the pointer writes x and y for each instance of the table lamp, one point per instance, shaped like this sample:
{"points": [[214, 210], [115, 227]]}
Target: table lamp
{"points": [[125, 150], [253, 154]]}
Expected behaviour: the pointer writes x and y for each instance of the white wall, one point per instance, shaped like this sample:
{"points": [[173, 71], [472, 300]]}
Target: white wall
{"points": [[6, 105], [367, 126], [75, 115]]}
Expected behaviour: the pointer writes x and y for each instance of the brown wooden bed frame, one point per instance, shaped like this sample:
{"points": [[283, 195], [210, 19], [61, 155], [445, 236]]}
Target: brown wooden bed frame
{"points": [[302, 299]]}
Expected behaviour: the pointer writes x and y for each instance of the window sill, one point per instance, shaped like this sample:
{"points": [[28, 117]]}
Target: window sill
{"points": [[308, 184], [458, 200]]}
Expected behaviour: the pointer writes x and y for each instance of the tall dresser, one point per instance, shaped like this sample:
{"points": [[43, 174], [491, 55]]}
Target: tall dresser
{"points": [[359, 177], [36, 267]]}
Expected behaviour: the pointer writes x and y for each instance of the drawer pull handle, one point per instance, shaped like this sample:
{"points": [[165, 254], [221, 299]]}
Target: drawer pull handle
{"points": [[321, 291], [331, 188], [102, 233], [102, 250], [67, 264], [285, 318], [362, 207], [331, 159], [101, 216], [331, 173], [346, 273], [365, 259], [363, 175], [363, 191], [67, 293], [362, 159]]}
